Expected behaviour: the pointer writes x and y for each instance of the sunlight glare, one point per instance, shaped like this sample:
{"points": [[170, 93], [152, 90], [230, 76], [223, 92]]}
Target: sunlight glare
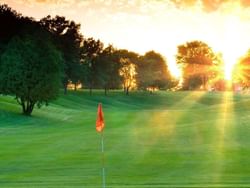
{"points": [[232, 47], [225, 112], [229, 64]]}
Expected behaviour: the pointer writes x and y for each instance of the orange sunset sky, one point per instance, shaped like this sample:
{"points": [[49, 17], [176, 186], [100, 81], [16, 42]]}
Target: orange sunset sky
{"points": [[160, 25]]}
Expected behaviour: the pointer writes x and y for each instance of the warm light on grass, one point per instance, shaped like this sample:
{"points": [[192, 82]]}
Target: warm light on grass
{"points": [[169, 139], [224, 128]]}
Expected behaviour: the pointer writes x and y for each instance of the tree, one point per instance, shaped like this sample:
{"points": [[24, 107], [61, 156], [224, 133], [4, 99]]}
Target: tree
{"points": [[198, 62], [68, 39], [218, 81], [31, 68], [11, 23], [90, 51], [108, 66], [153, 72], [125, 57], [128, 74], [241, 72]]}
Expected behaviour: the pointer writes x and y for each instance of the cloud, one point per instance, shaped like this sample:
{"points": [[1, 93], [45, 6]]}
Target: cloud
{"points": [[47, 2], [41, 1], [143, 5], [212, 5], [138, 6], [184, 3], [209, 5], [245, 3]]}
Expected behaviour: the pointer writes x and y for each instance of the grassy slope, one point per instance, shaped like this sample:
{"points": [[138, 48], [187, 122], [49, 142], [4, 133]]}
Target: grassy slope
{"points": [[178, 139]]}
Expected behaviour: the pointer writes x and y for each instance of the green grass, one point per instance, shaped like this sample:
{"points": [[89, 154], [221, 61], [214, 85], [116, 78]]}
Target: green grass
{"points": [[178, 139]]}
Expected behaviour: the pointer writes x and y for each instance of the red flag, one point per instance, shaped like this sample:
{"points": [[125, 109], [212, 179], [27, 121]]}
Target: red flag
{"points": [[99, 119]]}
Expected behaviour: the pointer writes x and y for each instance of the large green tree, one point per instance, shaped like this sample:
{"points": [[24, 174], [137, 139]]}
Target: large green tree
{"points": [[90, 52], [108, 66], [198, 62], [153, 72], [68, 39], [31, 68], [10, 23]]}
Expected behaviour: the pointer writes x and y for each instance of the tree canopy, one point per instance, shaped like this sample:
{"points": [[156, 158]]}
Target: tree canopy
{"points": [[108, 66], [31, 68], [37, 57], [68, 39], [153, 72], [90, 51], [11, 22], [198, 62], [128, 74], [241, 71]]}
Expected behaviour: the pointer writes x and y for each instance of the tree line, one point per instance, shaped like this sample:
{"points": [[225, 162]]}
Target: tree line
{"points": [[37, 58], [204, 69]]}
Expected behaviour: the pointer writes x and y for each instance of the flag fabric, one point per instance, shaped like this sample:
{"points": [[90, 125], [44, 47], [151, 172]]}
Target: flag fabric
{"points": [[99, 119]]}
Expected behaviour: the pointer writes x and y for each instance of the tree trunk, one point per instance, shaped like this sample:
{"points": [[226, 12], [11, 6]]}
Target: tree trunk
{"points": [[124, 88], [65, 89], [65, 85], [204, 81], [75, 87], [27, 107], [105, 89], [90, 89], [127, 90]]}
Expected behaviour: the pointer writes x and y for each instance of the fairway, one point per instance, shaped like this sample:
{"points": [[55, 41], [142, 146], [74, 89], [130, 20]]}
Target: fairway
{"points": [[167, 139]]}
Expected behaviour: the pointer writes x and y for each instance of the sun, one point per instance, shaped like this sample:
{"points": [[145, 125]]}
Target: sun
{"points": [[229, 62], [232, 44], [231, 56], [231, 53]]}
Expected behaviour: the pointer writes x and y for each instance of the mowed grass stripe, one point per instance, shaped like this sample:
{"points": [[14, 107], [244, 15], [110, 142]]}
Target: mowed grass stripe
{"points": [[168, 139]]}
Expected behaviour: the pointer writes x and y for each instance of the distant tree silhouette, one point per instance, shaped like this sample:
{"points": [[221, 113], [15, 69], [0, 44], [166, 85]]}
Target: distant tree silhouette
{"points": [[11, 23], [68, 39], [108, 66], [125, 57], [128, 74], [241, 72], [198, 62], [90, 51], [153, 72]]}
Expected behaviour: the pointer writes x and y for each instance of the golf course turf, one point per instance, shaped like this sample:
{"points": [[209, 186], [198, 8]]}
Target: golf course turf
{"points": [[164, 139]]}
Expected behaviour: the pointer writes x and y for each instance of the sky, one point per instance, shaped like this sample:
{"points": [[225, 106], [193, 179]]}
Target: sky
{"points": [[160, 25]]}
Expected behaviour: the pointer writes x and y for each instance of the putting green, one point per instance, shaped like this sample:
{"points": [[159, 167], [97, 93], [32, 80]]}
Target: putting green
{"points": [[167, 139]]}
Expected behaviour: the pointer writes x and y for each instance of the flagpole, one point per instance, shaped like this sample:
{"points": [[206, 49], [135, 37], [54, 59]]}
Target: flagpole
{"points": [[100, 128], [103, 164]]}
